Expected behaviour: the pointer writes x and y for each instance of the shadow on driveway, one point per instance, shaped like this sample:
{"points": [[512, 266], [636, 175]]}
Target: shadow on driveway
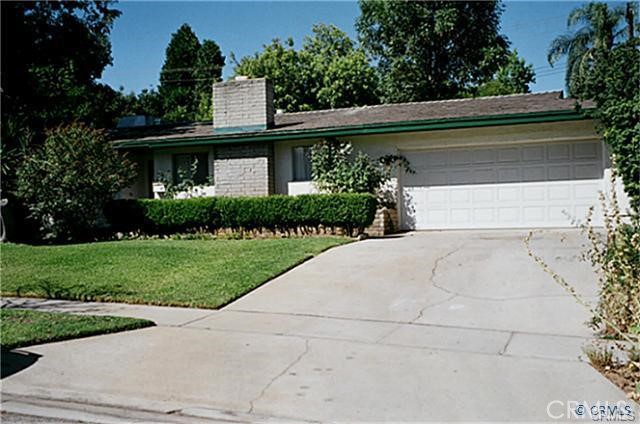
{"points": [[15, 361]]}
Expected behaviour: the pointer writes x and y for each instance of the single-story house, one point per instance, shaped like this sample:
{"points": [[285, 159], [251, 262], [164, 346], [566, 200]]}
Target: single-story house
{"points": [[515, 161]]}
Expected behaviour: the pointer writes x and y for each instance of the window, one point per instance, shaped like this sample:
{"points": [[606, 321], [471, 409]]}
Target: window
{"points": [[302, 163], [183, 167]]}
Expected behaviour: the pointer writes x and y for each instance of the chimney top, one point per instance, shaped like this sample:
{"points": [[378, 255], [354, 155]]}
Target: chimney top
{"points": [[242, 105]]}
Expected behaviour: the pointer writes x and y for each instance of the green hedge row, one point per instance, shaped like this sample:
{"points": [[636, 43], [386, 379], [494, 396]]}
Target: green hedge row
{"points": [[274, 213]]}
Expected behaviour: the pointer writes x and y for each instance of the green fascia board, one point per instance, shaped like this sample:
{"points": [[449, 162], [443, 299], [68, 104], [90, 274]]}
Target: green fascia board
{"points": [[355, 130]]}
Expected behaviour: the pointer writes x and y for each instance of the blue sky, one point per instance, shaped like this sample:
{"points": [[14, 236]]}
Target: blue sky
{"points": [[141, 34]]}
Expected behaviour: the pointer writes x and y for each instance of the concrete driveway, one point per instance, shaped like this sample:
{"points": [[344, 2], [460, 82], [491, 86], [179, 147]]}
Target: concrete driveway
{"points": [[419, 327]]}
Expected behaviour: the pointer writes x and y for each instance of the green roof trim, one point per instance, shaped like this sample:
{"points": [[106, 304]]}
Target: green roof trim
{"points": [[354, 130]]}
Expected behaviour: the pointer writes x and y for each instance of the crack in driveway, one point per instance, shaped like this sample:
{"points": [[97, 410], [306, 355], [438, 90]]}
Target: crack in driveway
{"points": [[307, 348], [454, 293]]}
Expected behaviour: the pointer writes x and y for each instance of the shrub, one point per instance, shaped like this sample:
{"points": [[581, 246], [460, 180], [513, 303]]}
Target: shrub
{"points": [[615, 255], [274, 213], [335, 169], [162, 216], [66, 183]]}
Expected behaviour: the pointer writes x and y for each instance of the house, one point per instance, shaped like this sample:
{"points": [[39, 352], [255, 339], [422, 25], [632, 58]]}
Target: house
{"points": [[516, 161]]}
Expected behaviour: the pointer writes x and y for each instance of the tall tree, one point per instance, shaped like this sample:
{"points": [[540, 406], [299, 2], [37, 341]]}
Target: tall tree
{"points": [[177, 84], [431, 50], [209, 64], [604, 66], [594, 26], [328, 71], [188, 71], [52, 54]]}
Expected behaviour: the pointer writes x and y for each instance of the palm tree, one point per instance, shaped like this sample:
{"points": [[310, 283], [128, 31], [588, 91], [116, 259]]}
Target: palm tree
{"points": [[591, 26]]}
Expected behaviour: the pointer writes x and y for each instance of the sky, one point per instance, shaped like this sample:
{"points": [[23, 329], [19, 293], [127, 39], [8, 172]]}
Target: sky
{"points": [[141, 34]]}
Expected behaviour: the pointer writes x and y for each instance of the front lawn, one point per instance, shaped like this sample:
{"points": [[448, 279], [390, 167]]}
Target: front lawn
{"points": [[195, 273], [25, 328]]}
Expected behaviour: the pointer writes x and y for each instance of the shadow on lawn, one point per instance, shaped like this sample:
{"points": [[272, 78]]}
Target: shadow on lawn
{"points": [[80, 292], [15, 361]]}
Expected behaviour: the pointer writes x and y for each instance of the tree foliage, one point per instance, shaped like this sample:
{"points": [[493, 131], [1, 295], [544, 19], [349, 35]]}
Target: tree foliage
{"points": [[52, 54], [604, 66], [513, 77], [189, 70], [612, 82], [594, 26], [66, 182], [209, 64], [431, 50], [329, 71]]}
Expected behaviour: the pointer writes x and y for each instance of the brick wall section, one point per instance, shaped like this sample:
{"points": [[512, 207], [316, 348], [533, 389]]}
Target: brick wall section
{"points": [[385, 222], [244, 170], [241, 104]]}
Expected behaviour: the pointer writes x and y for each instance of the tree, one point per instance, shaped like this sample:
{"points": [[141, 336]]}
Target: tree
{"points": [[329, 71], [52, 55], [209, 64], [66, 182], [431, 50], [603, 65], [612, 83], [188, 71], [341, 75], [177, 85], [281, 64], [594, 26], [513, 77]]}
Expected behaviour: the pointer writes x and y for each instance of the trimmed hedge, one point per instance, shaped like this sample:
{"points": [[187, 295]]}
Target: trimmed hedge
{"points": [[274, 213]]}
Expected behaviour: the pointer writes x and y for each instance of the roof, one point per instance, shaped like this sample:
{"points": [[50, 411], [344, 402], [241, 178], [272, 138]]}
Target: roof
{"points": [[395, 117]]}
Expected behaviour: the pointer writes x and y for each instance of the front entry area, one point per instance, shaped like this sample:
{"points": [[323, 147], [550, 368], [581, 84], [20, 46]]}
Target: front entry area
{"points": [[510, 186]]}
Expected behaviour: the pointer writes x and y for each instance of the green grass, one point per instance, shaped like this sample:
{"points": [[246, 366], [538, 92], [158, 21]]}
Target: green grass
{"points": [[25, 328], [194, 273]]}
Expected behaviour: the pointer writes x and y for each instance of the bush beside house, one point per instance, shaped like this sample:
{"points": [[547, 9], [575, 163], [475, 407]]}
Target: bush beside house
{"points": [[66, 182], [279, 213]]}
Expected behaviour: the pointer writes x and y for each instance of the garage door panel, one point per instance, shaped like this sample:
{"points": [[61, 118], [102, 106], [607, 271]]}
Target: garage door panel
{"points": [[585, 151], [502, 187], [559, 172], [560, 192], [558, 152], [509, 175], [532, 153], [481, 195], [509, 215], [586, 171], [484, 215], [459, 195], [511, 154], [533, 173], [533, 192], [509, 194]]}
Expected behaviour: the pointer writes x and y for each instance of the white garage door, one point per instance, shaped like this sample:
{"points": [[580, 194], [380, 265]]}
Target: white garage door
{"points": [[519, 186]]}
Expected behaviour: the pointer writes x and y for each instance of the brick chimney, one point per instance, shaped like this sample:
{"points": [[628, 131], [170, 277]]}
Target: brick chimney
{"points": [[242, 105]]}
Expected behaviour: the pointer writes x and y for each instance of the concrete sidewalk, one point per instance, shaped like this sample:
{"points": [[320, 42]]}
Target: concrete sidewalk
{"points": [[424, 327]]}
